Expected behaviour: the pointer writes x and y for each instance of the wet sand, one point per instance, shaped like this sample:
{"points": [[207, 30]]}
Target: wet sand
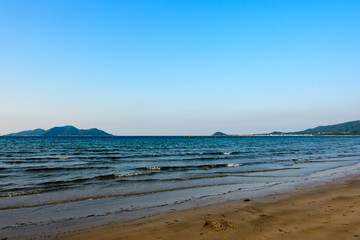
{"points": [[330, 211]]}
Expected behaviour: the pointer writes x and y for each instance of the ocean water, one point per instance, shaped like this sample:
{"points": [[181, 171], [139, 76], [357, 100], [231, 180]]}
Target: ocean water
{"points": [[64, 178]]}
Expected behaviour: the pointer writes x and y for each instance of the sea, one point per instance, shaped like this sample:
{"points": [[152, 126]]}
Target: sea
{"points": [[51, 184]]}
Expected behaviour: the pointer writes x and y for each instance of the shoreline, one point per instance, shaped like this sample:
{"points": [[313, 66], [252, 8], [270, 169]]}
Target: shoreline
{"points": [[310, 211], [204, 215]]}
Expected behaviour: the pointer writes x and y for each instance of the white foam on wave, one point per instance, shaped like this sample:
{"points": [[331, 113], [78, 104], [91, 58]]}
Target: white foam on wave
{"points": [[233, 165], [154, 168], [127, 174], [226, 153]]}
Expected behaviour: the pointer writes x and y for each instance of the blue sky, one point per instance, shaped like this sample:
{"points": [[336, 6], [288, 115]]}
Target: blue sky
{"points": [[179, 67]]}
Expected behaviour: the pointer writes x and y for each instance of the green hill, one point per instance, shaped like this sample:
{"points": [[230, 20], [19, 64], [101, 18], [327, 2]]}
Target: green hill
{"points": [[61, 131], [348, 128]]}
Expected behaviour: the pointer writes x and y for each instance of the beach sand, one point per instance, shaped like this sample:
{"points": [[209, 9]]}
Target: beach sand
{"points": [[330, 211]]}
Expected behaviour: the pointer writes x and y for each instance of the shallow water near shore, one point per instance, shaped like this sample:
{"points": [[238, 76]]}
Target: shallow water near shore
{"points": [[56, 183]]}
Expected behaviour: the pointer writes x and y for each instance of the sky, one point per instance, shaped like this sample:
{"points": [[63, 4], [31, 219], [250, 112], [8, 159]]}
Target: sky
{"points": [[158, 67]]}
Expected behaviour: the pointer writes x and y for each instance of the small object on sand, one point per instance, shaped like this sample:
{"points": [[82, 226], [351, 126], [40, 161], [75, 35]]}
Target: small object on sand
{"points": [[246, 200], [217, 225]]}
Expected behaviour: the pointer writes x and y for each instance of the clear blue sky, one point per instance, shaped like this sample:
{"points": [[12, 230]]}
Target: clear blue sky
{"points": [[178, 67]]}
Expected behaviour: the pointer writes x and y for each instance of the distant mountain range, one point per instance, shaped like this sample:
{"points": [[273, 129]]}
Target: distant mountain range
{"points": [[348, 128], [67, 131]]}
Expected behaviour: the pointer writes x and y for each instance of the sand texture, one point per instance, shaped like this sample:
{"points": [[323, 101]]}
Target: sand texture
{"points": [[322, 212]]}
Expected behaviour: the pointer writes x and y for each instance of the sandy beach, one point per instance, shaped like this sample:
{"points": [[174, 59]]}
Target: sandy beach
{"points": [[330, 211]]}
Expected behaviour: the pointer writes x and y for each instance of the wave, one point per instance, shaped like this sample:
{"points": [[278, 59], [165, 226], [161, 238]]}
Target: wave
{"points": [[30, 192], [63, 183], [47, 169], [112, 196], [51, 186], [155, 155], [122, 175], [220, 153], [40, 158], [188, 167], [24, 161], [215, 153], [153, 168], [101, 157], [233, 165], [218, 174]]}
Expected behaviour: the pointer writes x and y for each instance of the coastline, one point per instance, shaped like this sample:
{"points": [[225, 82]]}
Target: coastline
{"points": [[315, 211]]}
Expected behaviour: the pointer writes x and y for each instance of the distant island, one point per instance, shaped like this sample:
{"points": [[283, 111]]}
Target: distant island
{"points": [[348, 128], [219, 134], [224, 135], [66, 131]]}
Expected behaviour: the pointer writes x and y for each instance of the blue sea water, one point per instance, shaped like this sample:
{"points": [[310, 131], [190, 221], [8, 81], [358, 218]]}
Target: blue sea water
{"points": [[134, 173]]}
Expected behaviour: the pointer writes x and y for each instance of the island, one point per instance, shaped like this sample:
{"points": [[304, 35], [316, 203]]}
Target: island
{"points": [[65, 131], [219, 134]]}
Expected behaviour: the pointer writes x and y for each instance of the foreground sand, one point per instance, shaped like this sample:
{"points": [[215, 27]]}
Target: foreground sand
{"points": [[325, 212]]}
